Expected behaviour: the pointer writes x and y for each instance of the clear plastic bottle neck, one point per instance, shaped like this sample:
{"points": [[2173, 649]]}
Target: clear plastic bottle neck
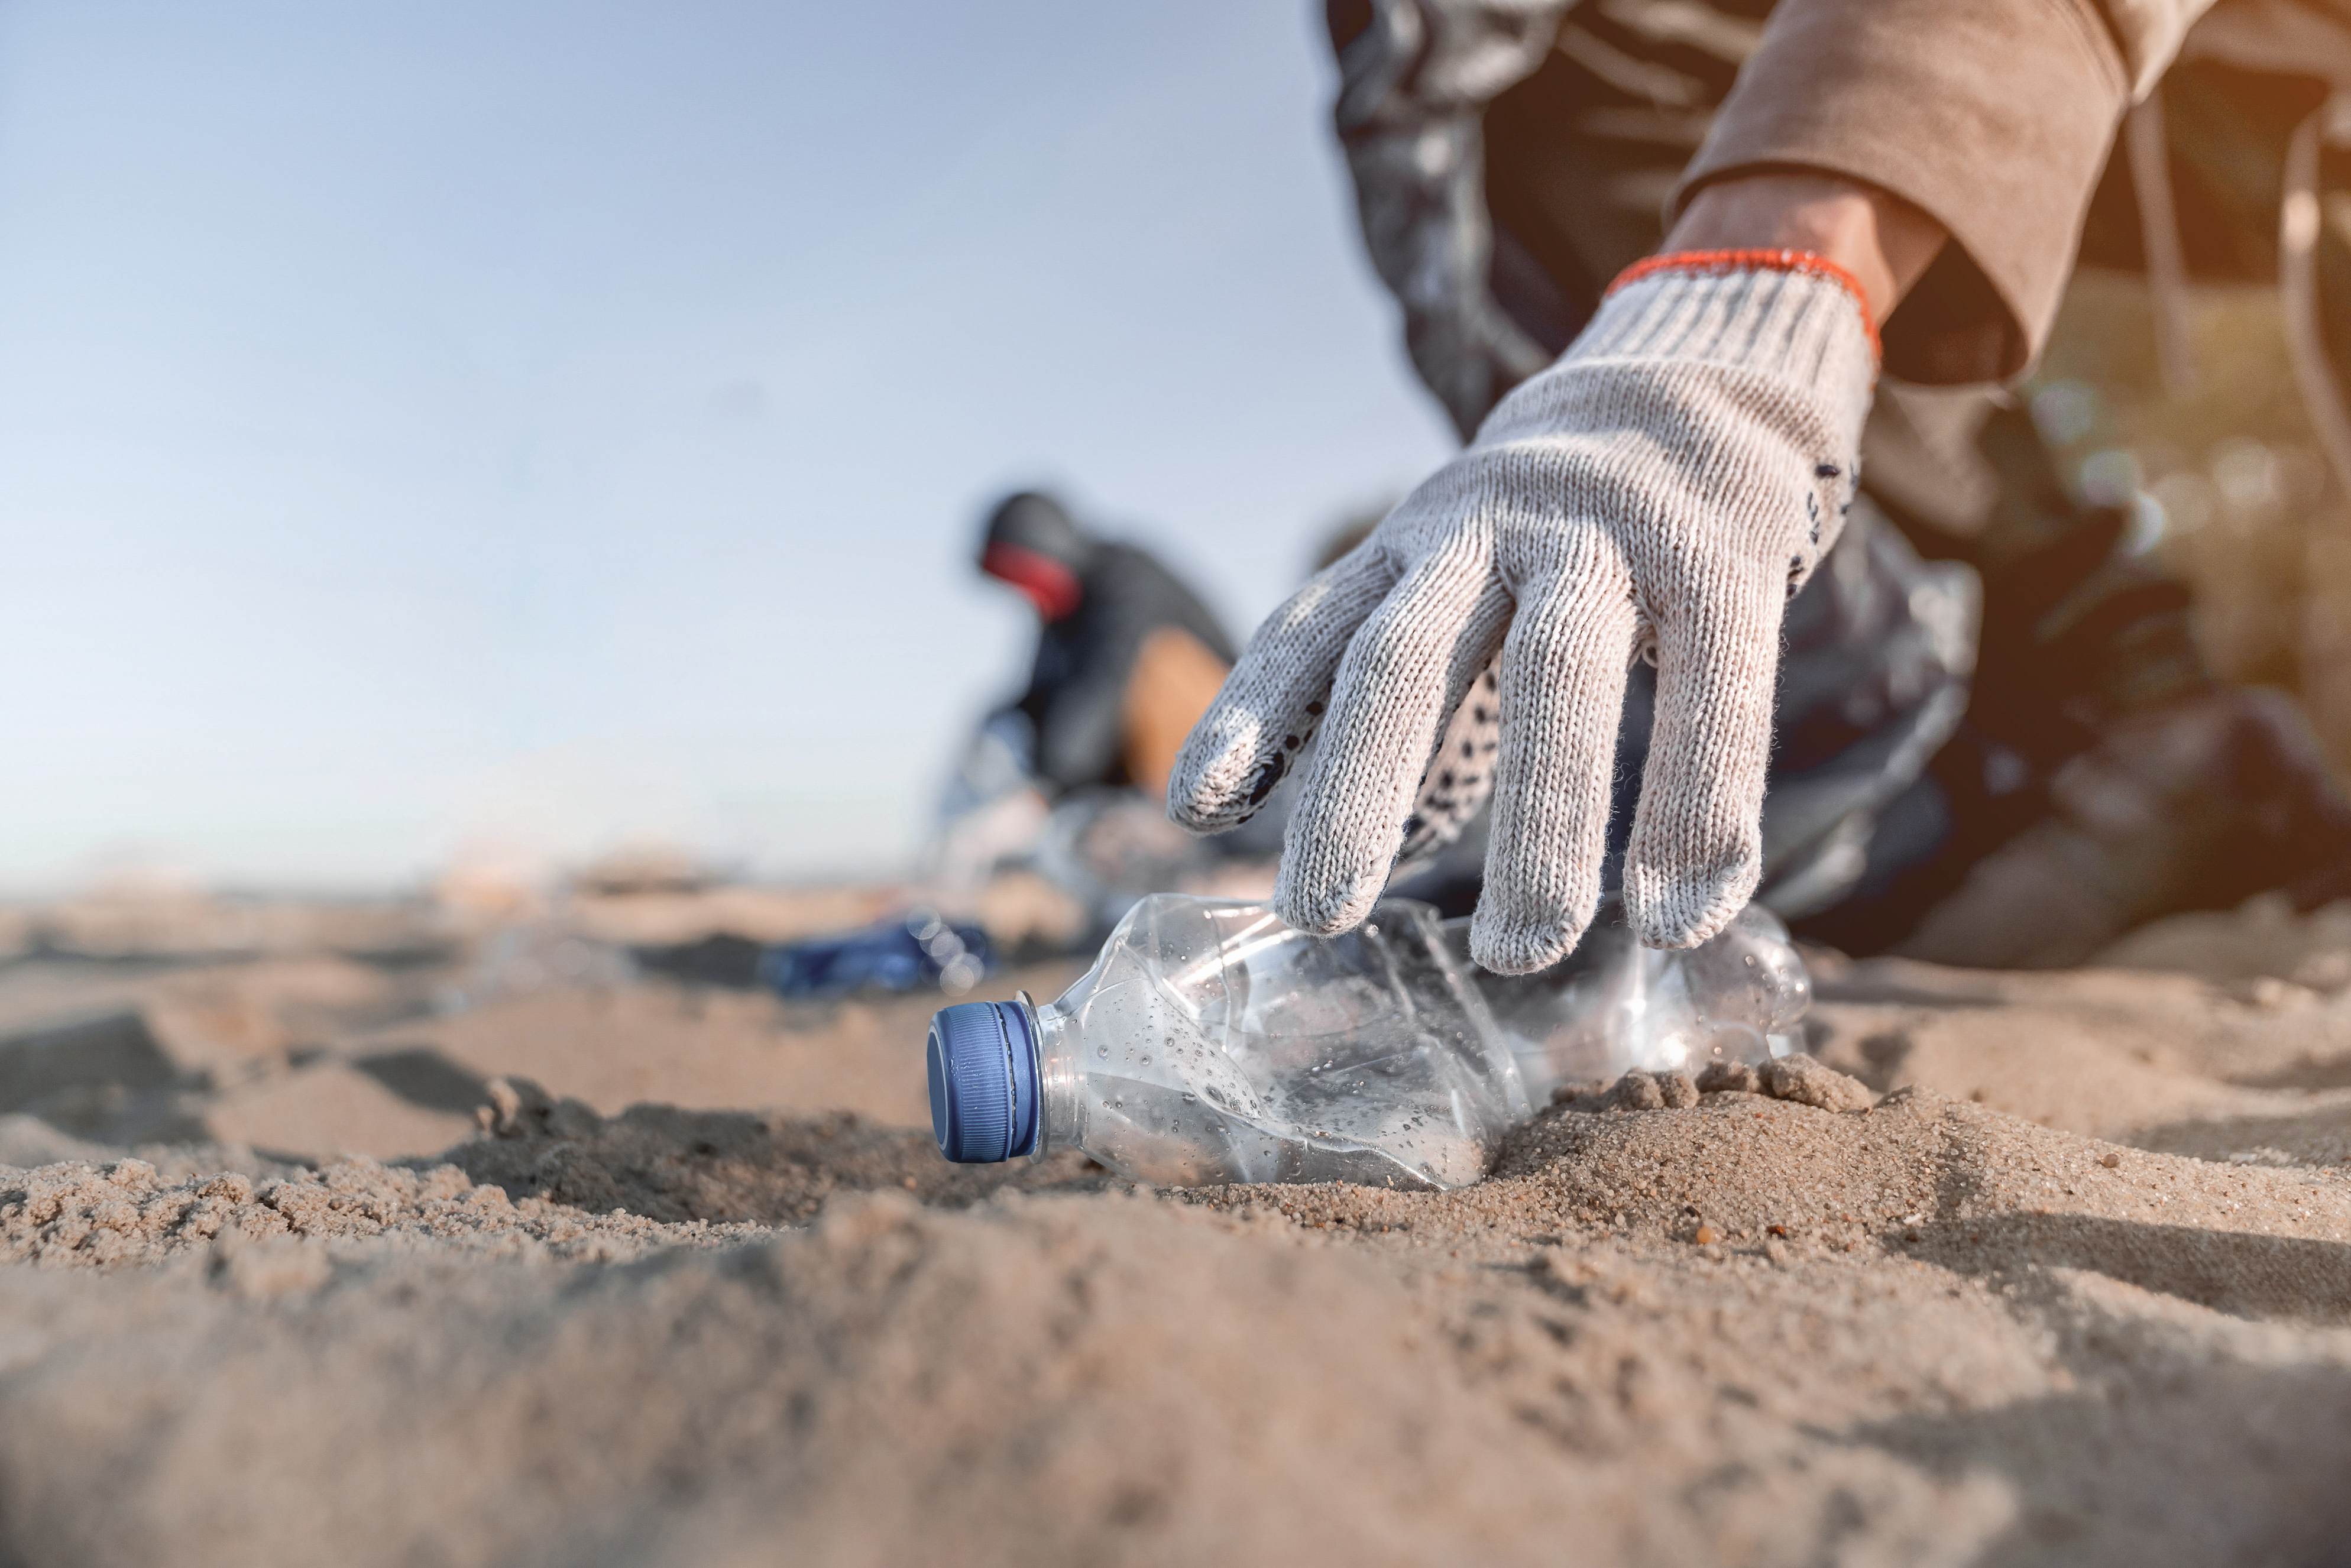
{"points": [[1060, 1077]]}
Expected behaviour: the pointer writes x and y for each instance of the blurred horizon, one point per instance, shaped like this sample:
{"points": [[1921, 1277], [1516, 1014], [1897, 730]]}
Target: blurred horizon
{"points": [[523, 434]]}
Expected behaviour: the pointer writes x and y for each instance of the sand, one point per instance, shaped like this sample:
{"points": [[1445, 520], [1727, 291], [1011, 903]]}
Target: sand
{"points": [[359, 1250]]}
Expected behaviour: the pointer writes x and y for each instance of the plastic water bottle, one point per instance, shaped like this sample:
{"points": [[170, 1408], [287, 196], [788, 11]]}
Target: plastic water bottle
{"points": [[1212, 1043]]}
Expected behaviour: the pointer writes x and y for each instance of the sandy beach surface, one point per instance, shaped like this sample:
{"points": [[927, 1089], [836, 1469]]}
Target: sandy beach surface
{"points": [[370, 1233]]}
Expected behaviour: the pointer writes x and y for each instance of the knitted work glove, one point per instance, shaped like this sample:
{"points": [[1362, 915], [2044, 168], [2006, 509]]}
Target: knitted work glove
{"points": [[1660, 491]]}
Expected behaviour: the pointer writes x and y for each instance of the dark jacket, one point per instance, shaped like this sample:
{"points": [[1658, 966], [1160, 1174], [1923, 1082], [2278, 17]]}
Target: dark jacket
{"points": [[1077, 692]]}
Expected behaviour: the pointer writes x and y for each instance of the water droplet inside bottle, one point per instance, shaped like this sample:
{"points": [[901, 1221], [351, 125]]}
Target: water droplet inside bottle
{"points": [[1102, 1052]]}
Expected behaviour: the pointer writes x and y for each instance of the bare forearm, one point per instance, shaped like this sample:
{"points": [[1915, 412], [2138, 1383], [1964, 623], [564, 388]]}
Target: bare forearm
{"points": [[1883, 241]]}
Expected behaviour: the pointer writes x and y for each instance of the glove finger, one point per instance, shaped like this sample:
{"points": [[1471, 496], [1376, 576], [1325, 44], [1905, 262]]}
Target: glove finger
{"points": [[1562, 697], [1404, 674], [1269, 707], [1460, 776], [1698, 844]]}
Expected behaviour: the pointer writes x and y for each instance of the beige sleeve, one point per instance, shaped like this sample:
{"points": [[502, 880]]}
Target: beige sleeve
{"points": [[2150, 33], [1993, 116]]}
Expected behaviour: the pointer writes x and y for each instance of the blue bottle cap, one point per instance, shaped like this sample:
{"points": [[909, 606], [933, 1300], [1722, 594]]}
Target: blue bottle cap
{"points": [[983, 1067]]}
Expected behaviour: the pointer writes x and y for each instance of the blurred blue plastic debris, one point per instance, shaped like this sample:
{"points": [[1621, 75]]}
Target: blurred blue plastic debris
{"points": [[913, 953]]}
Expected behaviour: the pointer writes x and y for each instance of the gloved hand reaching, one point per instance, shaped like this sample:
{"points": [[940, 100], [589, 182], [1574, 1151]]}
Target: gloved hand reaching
{"points": [[1661, 490]]}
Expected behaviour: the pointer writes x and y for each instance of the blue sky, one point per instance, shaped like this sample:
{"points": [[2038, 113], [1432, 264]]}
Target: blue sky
{"points": [[539, 426]]}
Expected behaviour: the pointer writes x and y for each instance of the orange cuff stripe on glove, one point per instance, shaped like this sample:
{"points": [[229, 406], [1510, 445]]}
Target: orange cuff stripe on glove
{"points": [[1718, 261]]}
